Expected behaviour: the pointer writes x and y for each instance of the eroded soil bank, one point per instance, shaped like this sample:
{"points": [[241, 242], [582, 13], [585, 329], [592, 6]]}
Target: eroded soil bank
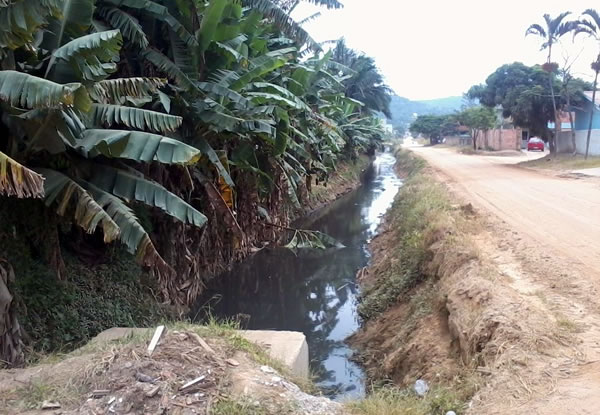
{"points": [[451, 300]]}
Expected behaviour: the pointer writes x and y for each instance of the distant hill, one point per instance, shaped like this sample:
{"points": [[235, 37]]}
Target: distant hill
{"points": [[449, 104], [403, 109]]}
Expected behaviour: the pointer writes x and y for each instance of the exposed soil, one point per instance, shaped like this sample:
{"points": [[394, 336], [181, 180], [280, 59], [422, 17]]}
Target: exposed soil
{"points": [[541, 233], [520, 315], [186, 374]]}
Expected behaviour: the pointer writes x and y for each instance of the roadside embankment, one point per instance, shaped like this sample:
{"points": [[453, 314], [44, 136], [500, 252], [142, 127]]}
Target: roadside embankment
{"points": [[437, 307]]}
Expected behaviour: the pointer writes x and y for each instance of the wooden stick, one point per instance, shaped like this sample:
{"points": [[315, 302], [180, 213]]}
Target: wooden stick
{"points": [[157, 334], [202, 343]]}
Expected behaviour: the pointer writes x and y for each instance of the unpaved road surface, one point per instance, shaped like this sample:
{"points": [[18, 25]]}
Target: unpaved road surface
{"points": [[542, 231], [561, 214]]}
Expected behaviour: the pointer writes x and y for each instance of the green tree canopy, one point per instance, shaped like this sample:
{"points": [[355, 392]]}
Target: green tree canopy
{"points": [[434, 127], [477, 118], [523, 93]]}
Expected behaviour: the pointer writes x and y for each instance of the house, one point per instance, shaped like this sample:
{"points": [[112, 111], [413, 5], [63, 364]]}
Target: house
{"points": [[564, 140], [582, 119]]}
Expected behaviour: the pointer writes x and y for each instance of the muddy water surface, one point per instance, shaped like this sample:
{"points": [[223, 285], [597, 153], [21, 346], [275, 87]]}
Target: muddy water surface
{"points": [[314, 291]]}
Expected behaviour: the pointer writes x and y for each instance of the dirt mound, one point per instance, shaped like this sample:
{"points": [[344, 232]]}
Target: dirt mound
{"points": [[186, 374]]}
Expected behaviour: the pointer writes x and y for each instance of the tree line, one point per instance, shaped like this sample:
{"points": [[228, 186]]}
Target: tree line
{"points": [[531, 96], [179, 128]]}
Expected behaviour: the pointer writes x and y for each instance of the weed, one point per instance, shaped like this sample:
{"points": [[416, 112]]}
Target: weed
{"points": [[344, 175], [421, 215], [233, 407], [563, 162], [567, 325], [394, 401], [35, 393]]}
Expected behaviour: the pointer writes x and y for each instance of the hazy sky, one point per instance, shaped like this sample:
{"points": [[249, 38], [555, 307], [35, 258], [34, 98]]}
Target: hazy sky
{"points": [[432, 49]]}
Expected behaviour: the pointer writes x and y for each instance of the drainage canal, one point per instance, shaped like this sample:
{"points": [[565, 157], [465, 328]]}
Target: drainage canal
{"points": [[314, 291]]}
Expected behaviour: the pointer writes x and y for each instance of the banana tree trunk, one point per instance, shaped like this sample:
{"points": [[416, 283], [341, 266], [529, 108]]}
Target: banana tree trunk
{"points": [[589, 133], [11, 344]]}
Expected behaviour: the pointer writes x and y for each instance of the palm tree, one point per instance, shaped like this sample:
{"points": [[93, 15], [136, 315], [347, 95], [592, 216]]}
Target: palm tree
{"points": [[550, 32], [592, 29], [366, 84]]}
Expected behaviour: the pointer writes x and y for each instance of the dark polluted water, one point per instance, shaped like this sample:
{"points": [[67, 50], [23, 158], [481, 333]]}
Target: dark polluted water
{"points": [[313, 291]]}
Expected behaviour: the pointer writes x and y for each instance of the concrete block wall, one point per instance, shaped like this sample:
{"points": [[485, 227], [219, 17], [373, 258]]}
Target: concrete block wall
{"points": [[497, 139], [457, 140]]}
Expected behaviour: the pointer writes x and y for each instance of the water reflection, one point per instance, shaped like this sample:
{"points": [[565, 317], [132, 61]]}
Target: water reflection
{"points": [[314, 291]]}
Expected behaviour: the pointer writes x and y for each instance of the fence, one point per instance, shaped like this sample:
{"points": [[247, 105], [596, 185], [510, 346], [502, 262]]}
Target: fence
{"points": [[499, 139]]}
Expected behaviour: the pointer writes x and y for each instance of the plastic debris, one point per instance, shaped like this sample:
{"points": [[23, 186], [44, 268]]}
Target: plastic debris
{"points": [[193, 382], [421, 387], [267, 369], [142, 377]]}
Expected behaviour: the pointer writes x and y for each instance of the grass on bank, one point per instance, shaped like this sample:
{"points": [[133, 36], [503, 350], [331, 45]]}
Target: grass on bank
{"points": [[563, 162], [420, 214], [394, 401], [345, 175]]}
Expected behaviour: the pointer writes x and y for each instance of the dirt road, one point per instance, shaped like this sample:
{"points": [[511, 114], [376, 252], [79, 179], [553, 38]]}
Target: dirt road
{"points": [[561, 214], [542, 232]]}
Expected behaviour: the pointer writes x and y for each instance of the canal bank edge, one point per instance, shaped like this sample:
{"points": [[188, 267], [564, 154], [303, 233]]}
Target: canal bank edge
{"points": [[114, 291], [212, 369], [288, 347], [346, 178], [436, 307]]}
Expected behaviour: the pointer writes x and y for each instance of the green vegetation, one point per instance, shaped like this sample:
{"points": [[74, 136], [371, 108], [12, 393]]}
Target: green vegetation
{"points": [[563, 162], [420, 211], [233, 407], [87, 302], [143, 121], [403, 110], [535, 96], [529, 97], [477, 119], [525, 95], [550, 33], [59, 314], [405, 284], [433, 127], [470, 118], [394, 401], [346, 176]]}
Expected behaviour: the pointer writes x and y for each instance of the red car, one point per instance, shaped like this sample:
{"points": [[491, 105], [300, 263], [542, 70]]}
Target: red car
{"points": [[535, 143]]}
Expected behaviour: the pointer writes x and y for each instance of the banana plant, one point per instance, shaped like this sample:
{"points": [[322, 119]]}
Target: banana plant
{"points": [[70, 113], [101, 88]]}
